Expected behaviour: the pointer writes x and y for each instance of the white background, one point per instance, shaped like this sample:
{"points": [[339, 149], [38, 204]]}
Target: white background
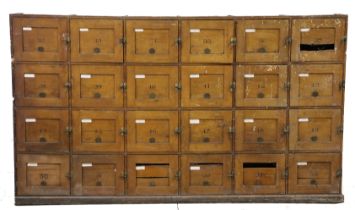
{"points": [[172, 8]]}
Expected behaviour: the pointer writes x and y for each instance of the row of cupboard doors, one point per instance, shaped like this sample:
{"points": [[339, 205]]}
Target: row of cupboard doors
{"points": [[160, 86], [96, 39], [101, 175], [89, 131]]}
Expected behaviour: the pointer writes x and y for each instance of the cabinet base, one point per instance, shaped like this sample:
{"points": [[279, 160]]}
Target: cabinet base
{"points": [[65, 200]]}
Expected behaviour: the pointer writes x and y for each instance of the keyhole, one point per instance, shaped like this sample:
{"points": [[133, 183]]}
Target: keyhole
{"points": [[260, 139], [98, 183], [151, 51], [152, 95], [152, 140], [261, 95], [97, 95], [206, 139], [261, 50], [43, 183], [314, 138], [97, 50], [207, 51], [42, 94], [207, 95], [42, 139], [98, 140], [205, 183], [315, 93], [40, 49]]}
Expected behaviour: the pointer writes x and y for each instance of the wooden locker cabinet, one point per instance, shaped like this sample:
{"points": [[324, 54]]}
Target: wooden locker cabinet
{"points": [[40, 38], [260, 174], [44, 130], [152, 86], [96, 40], [263, 40], [206, 174], [97, 86], [41, 85], [97, 131], [98, 175], [262, 85], [152, 41], [149, 131], [178, 109], [43, 174]]}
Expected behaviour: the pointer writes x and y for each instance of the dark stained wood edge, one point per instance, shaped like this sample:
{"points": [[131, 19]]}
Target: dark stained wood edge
{"points": [[70, 200]]}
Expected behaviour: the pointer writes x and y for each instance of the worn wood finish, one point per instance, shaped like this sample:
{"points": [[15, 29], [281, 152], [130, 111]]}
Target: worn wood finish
{"points": [[96, 40], [98, 175], [206, 131], [261, 85], [260, 174], [42, 130], [43, 175], [154, 131], [152, 41], [206, 174], [39, 39], [97, 131], [263, 40], [314, 173], [152, 86], [260, 130], [315, 130], [178, 109], [97, 86], [152, 175], [41, 85]]}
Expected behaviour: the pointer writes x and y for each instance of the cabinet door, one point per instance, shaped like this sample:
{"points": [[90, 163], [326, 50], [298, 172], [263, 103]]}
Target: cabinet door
{"points": [[206, 174], [152, 131], [314, 173], [97, 131], [260, 130], [152, 86], [262, 40], [316, 39], [96, 40], [315, 129], [204, 131], [152, 41], [152, 175], [206, 86], [207, 41], [41, 85], [260, 174], [316, 85], [97, 86], [39, 38], [42, 175], [261, 85], [98, 175], [42, 130]]}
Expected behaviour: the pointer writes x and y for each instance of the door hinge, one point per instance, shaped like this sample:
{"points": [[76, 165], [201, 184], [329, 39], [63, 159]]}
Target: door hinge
{"points": [[340, 130], [66, 38], [68, 130], [338, 173], [178, 174], [123, 41], [233, 41], [285, 173], [177, 131], [288, 40], [123, 86], [287, 86], [123, 131], [178, 86], [231, 130], [68, 85], [232, 86], [231, 174], [286, 130], [124, 175], [344, 39], [342, 85], [178, 41], [68, 175]]}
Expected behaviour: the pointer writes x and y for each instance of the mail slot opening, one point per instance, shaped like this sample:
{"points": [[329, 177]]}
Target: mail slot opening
{"points": [[316, 47], [259, 165]]}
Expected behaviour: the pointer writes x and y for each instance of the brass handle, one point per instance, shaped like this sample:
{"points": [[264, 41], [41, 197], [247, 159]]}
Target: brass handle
{"points": [[233, 41]]}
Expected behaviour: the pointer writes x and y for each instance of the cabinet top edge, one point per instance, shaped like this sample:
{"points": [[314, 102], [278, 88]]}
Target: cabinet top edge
{"points": [[228, 17]]}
